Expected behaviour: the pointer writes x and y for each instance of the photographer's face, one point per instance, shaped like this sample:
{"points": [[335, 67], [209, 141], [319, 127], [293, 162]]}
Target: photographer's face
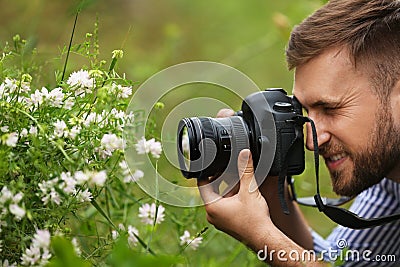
{"points": [[357, 135]]}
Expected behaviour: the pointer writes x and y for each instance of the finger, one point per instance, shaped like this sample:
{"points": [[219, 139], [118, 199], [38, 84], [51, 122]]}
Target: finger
{"points": [[207, 192], [246, 172], [225, 112]]}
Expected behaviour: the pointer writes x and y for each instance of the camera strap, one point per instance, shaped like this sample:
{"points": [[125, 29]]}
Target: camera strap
{"points": [[339, 215]]}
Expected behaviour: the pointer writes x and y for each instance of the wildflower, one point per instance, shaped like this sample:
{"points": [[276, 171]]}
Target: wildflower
{"points": [[5, 195], [84, 196], [136, 176], [59, 128], [8, 86], [48, 191], [11, 139], [132, 236], [41, 239], [69, 103], [153, 146], [81, 82], [81, 177], [110, 143], [17, 211], [121, 91], [74, 131], [5, 263], [38, 252], [33, 130], [69, 183], [148, 215], [128, 177], [4, 129], [24, 132], [187, 240], [114, 234], [55, 97], [99, 178], [36, 98], [75, 244], [89, 118]]}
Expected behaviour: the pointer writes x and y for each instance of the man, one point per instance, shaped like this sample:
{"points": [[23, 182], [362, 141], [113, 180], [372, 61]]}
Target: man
{"points": [[346, 58]]}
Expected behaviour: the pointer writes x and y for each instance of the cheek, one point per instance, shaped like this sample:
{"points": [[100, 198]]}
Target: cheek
{"points": [[354, 134]]}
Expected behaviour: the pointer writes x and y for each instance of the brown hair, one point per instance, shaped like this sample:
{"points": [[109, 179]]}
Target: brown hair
{"points": [[369, 29]]}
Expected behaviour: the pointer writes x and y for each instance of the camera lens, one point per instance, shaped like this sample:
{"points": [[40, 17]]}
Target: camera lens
{"points": [[210, 146]]}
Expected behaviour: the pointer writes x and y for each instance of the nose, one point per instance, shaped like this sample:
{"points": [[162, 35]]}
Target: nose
{"points": [[323, 135]]}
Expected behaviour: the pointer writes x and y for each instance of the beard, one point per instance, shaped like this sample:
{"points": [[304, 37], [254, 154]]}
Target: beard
{"points": [[373, 162]]}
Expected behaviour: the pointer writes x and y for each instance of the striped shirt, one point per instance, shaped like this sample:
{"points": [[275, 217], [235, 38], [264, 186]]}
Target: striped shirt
{"points": [[376, 246]]}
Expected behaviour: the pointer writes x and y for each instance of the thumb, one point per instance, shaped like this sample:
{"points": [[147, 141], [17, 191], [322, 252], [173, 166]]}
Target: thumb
{"points": [[246, 172]]}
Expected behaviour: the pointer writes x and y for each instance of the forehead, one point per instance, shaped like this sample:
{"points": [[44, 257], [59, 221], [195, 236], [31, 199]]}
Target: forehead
{"points": [[329, 77]]}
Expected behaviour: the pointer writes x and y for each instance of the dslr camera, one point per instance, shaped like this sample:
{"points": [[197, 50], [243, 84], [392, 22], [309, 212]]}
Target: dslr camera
{"points": [[269, 124]]}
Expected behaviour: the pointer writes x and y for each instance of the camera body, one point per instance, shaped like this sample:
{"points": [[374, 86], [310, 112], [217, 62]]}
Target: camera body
{"points": [[267, 124]]}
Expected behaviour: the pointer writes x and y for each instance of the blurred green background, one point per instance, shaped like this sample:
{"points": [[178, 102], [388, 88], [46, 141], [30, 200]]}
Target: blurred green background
{"points": [[154, 34]]}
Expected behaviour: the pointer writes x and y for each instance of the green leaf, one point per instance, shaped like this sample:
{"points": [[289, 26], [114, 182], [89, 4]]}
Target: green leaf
{"points": [[124, 256], [64, 254]]}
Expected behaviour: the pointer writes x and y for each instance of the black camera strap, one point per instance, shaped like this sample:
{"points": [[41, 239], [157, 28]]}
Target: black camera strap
{"points": [[339, 215]]}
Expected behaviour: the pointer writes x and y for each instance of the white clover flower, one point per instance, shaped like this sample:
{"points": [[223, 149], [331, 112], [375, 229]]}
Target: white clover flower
{"points": [[114, 234], [68, 182], [33, 130], [89, 118], [41, 239], [128, 176], [81, 177], [132, 236], [31, 256], [17, 197], [5, 195], [81, 82], [192, 242], [75, 130], [38, 252], [121, 227], [36, 98], [155, 148], [8, 86], [55, 97], [142, 147], [12, 139], [76, 246], [60, 128], [48, 191], [24, 132], [5, 263], [17, 211], [121, 91], [84, 196], [5, 129], [110, 143], [151, 146], [69, 103], [98, 178], [147, 213], [136, 176]]}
